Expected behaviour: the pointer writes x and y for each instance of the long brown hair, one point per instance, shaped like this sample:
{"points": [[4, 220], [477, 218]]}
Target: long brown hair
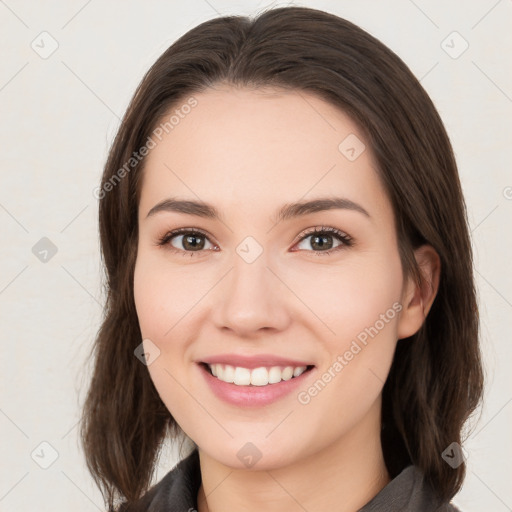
{"points": [[436, 378]]}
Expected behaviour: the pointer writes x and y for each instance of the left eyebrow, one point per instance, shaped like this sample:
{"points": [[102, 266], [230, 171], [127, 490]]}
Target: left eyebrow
{"points": [[292, 210], [287, 211]]}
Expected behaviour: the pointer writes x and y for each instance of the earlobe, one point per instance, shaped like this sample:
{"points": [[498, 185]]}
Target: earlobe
{"points": [[417, 299]]}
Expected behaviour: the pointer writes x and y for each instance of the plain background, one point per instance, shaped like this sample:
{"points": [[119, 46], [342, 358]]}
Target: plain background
{"points": [[59, 114]]}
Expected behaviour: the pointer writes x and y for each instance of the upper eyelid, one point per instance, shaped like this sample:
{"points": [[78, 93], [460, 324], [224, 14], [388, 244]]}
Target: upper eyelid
{"points": [[300, 237]]}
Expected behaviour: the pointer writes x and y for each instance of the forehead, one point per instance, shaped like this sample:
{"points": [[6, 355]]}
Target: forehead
{"points": [[260, 148]]}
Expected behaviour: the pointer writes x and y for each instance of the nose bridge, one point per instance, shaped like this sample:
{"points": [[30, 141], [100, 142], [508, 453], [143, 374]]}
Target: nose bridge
{"points": [[252, 295]]}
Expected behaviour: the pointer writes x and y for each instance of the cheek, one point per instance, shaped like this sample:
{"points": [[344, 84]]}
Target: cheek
{"points": [[360, 304], [363, 305], [148, 301], [162, 296], [161, 301], [352, 296], [371, 293]]}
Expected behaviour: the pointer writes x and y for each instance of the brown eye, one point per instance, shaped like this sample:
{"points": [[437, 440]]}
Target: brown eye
{"points": [[185, 241], [324, 240]]}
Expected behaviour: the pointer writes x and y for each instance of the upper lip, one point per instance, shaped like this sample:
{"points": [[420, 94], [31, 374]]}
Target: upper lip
{"points": [[267, 360]]}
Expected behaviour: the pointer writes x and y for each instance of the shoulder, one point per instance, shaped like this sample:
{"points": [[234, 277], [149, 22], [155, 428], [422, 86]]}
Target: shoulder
{"points": [[426, 494], [408, 492], [448, 507], [177, 491]]}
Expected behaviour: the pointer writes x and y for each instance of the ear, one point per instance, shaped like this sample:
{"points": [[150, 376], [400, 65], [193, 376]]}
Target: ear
{"points": [[417, 299]]}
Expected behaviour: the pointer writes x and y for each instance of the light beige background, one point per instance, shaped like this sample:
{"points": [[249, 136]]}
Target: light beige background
{"points": [[58, 117]]}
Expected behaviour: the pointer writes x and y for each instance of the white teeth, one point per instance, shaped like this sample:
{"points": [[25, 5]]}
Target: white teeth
{"points": [[257, 377], [228, 374], [298, 371], [274, 375], [242, 376]]}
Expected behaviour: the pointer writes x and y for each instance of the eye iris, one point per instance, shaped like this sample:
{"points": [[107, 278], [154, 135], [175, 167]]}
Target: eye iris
{"points": [[322, 245], [189, 244]]}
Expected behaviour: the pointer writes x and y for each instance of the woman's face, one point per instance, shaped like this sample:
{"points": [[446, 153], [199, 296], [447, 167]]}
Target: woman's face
{"points": [[248, 284]]}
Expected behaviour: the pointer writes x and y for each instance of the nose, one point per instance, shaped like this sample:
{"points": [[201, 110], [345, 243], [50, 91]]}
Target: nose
{"points": [[252, 297]]}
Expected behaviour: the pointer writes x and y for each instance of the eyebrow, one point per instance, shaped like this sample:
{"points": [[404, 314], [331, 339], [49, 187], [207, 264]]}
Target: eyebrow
{"points": [[287, 211]]}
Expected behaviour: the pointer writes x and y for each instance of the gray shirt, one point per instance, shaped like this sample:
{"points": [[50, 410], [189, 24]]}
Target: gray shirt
{"points": [[177, 492]]}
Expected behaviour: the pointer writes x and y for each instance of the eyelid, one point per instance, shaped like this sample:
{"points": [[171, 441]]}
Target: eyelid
{"points": [[345, 239], [169, 235], [321, 229]]}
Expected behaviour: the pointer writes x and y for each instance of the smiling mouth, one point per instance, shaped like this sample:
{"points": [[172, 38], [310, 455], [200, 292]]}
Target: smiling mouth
{"points": [[261, 376]]}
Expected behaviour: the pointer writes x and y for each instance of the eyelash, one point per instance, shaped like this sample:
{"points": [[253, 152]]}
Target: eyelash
{"points": [[346, 240]]}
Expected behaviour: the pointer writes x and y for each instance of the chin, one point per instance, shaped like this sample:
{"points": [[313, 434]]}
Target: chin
{"points": [[253, 453]]}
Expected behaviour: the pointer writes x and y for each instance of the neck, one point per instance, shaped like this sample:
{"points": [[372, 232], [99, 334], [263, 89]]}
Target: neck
{"points": [[342, 476]]}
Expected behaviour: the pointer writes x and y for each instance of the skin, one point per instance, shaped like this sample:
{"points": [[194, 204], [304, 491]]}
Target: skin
{"points": [[248, 152]]}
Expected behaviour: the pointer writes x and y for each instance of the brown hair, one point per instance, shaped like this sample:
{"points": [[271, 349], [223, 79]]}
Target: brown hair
{"points": [[436, 378]]}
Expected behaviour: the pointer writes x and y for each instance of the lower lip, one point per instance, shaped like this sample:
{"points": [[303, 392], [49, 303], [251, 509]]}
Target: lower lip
{"points": [[252, 396]]}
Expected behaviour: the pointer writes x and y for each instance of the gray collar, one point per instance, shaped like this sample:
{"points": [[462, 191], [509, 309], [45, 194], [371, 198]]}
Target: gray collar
{"points": [[177, 492]]}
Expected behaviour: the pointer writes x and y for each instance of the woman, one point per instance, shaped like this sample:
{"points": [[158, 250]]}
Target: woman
{"points": [[341, 382]]}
